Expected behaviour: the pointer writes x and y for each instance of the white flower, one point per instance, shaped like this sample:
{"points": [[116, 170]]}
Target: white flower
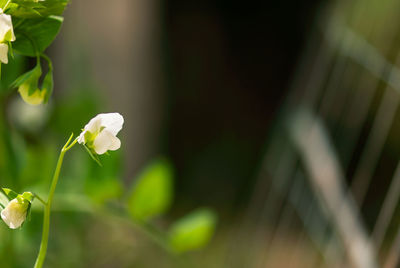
{"points": [[14, 214], [6, 35], [6, 28], [101, 131]]}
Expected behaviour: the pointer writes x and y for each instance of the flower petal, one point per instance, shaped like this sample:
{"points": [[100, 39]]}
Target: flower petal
{"points": [[94, 124], [6, 28], [81, 137], [102, 129], [14, 214], [4, 53], [104, 142], [112, 122], [115, 145]]}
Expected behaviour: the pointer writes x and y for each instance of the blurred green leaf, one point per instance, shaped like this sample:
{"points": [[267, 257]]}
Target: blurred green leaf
{"points": [[152, 193], [32, 9], [193, 231], [104, 190], [33, 36]]}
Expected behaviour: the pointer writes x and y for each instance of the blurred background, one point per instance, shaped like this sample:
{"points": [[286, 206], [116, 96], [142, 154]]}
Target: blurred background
{"points": [[281, 116]]}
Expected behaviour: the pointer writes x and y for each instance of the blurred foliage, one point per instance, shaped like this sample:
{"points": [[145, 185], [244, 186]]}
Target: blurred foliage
{"points": [[152, 192], [90, 200], [193, 231]]}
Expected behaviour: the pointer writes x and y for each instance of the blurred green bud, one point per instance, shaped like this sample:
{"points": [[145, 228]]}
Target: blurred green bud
{"points": [[14, 214], [28, 86], [30, 94]]}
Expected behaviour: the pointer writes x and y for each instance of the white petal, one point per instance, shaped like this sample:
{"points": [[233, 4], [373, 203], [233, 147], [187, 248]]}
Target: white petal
{"points": [[6, 28], [112, 122], [115, 145], [4, 53], [94, 124], [81, 137], [105, 141], [14, 214]]}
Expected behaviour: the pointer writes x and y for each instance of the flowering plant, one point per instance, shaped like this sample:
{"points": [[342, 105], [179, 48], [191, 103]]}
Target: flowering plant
{"points": [[16, 211], [27, 28]]}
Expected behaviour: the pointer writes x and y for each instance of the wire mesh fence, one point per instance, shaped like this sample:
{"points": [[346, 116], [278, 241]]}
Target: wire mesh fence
{"points": [[328, 190]]}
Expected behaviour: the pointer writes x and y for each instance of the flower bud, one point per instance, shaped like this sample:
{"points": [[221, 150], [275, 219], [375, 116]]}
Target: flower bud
{"points": [[14, 214], [28, 87]]}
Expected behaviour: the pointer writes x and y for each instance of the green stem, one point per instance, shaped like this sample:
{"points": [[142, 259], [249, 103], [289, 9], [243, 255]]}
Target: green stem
{"points": [[46, 218], [6, 5], [40, 199]]}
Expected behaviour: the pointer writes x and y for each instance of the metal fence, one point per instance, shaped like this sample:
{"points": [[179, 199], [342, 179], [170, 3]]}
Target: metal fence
{"points": [[328, 190]]}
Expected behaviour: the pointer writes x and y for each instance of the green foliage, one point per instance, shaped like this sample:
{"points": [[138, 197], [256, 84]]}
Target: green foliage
{"points": [[36, 25], [33, 74], [193, 231], [152, 193], [35, 9], [10, 72], [28, 84], [103, 184], [33, 36]]}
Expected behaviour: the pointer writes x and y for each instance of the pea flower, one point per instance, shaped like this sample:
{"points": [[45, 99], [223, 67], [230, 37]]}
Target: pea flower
{"points": [[14, 214], [6, 35], [100, 133]]}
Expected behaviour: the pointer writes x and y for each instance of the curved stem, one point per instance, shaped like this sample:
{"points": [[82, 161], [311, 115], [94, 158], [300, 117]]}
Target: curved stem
{"points": [[46, 218]]}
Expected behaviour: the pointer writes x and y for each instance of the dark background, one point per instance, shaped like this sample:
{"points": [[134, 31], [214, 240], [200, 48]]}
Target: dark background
{"points": [[229, 66]]}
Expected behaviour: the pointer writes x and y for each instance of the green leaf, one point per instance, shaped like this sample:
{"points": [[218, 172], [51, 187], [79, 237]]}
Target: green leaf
{"points": [[35, 73], [10, 193], [152, 192], [33, 36], [193, 231], [35, 9]]}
